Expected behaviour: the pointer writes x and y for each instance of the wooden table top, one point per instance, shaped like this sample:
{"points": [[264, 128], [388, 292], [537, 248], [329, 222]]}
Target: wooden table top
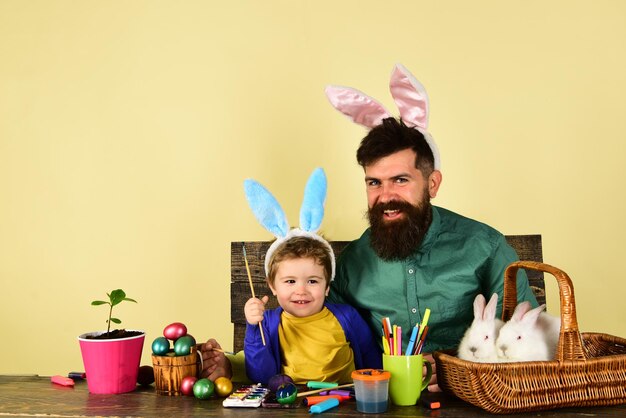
{"points": [[29, 396]]}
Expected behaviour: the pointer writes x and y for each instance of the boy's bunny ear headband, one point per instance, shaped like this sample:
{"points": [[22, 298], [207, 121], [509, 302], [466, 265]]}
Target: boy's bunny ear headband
{"points": [[408, 93], [272, 217]]}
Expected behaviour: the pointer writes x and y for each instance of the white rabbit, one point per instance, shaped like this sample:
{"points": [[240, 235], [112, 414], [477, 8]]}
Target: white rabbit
{"points": [[530, 335], [479, 342]]}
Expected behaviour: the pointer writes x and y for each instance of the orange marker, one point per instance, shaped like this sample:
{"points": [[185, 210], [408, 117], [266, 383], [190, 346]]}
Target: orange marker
{"points": [[312, 400]]}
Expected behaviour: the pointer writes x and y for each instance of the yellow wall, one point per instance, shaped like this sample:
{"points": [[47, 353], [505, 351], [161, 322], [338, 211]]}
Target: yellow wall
{"points": [[127, 128]]}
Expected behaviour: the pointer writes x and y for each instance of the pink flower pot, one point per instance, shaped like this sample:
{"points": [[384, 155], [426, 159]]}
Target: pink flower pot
{"points": [[111, 365]]}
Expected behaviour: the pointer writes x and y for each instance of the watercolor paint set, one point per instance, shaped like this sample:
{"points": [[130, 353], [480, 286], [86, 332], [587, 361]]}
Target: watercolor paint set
{"points": [[250, 396]]}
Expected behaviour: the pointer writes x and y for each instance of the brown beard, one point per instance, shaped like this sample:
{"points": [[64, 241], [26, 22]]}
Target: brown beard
{"points": [[398, 239]]}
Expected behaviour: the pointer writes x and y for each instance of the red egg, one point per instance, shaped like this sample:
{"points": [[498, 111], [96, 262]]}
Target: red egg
{"points": [[174, 331], [186, 386]]}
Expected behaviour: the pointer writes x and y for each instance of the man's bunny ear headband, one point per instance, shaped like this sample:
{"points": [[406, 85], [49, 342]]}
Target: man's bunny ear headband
{"points": [[408, 93], [272, 217]]}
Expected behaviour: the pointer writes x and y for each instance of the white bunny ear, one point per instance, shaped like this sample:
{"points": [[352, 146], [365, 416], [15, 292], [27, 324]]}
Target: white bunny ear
{"points": [[312, 210], [490, 310], [479, 306], [520, 310], [532, 315], [266, 208], [410, 97], [358, 106]]}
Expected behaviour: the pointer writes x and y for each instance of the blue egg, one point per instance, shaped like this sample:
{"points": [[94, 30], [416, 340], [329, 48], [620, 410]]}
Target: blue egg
{"points": [[160, 346]]}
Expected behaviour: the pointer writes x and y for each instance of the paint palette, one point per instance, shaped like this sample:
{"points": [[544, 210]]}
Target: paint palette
{"points": [[250, 396]]}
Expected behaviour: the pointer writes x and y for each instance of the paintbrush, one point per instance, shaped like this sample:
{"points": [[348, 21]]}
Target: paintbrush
{"points": [[313, 392], [245, 259], [222, 351]]}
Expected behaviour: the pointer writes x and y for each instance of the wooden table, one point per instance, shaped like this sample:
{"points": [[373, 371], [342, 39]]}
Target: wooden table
{"points": [[30, 396]]}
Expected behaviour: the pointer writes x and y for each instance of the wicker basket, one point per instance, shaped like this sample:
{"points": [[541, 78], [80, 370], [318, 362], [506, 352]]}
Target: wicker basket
{"points": [[589, 368]]}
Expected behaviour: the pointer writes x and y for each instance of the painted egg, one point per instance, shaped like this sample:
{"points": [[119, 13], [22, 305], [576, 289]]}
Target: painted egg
{"points": [[203, 388], [277, 381], [174, 331], [182, 346], [186, 385], [145, 376], [286, 394], [160, 346], [223, 386]]}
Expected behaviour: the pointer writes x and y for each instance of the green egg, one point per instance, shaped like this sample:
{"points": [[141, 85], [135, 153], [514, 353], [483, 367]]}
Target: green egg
{"points": [[160, 346], [182, 346], [203, 388]]}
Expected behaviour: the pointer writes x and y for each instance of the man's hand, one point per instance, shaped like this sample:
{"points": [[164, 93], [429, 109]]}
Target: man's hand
{"points": [[214, 363], [432, 385]]}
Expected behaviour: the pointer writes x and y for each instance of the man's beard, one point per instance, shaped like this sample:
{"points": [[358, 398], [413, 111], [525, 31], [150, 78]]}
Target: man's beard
{"points": [[399, 238]]}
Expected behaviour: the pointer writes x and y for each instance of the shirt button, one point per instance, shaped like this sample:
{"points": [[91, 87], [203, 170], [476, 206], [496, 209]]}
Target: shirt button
{"points": [[410, 271], [414, 310]]}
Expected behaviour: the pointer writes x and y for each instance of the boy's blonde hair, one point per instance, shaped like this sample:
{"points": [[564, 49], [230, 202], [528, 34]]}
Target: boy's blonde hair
{"points": [[301, 247]]}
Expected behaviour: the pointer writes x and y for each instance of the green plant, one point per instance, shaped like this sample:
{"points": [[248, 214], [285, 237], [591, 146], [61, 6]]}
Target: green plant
{"points": [[115, 297]]}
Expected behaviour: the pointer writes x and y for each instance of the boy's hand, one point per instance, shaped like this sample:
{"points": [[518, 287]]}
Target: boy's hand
{"points": [[254, 309]]}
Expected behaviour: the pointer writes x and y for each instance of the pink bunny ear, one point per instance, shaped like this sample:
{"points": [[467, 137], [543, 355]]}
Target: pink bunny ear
{"points": [[408, 93], [410, 97], [359, 107], [412, 101]]}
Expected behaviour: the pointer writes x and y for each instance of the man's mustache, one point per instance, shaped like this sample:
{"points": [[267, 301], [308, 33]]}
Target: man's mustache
{"points": [[380, 208]]}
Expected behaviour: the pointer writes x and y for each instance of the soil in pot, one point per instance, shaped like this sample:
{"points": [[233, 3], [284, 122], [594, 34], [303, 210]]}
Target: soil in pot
{"points": [[113, 335]]}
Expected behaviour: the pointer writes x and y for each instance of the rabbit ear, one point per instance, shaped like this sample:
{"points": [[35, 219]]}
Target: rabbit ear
{"points": [[359, 107], [412, 101], [266, 208], [410, 97], [490, 310], [520, 310], [312, 210], [531, 316], [479, 306]]}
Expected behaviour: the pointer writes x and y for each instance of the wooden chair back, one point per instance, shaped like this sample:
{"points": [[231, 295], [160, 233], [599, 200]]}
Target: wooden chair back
{"points": [[528, 247]]}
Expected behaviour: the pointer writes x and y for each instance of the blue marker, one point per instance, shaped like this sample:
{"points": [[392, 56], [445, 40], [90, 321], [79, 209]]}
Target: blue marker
{"points": [[409, 348], [324, 406]]}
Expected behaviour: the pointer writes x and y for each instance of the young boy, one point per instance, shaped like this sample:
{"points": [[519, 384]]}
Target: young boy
{"points": [[305, 337]]}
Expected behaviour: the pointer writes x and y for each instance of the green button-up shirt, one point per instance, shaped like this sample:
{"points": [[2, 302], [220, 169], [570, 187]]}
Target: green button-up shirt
{"points": [[458, 259]]}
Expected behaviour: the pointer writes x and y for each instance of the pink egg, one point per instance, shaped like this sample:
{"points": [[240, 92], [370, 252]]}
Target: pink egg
{"points": [[174, 331], [186, 386]]}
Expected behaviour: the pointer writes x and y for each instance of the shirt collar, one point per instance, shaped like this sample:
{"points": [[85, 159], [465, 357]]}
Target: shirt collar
{"points": [[433, 231]]}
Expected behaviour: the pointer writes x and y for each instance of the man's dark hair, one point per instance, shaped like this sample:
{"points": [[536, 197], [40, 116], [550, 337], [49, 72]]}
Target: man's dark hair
{"points": [[392, 136]]}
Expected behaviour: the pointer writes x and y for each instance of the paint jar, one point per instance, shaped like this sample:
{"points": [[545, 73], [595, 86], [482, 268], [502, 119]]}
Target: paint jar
{"points": [[371, 390]]}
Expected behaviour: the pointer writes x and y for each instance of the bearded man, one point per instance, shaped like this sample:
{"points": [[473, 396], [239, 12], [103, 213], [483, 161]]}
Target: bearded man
{"points": [[415, 255]]}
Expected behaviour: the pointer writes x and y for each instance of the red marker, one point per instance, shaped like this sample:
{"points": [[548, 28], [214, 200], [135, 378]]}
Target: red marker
{"points": [[62, 380]]}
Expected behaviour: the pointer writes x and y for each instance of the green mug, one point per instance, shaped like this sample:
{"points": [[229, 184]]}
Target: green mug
{"points": [[407, 381]]}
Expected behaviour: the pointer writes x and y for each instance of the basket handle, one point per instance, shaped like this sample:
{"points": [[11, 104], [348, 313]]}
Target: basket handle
{"points": [[570, 345]]}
